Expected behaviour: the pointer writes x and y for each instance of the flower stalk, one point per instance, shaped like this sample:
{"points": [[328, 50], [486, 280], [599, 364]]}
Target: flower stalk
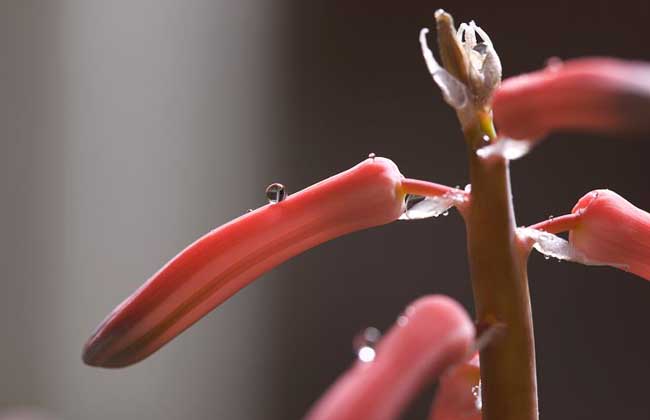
{"points": [[497, 267]]}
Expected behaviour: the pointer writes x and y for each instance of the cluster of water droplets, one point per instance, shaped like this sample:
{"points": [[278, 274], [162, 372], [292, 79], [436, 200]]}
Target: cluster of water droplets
{"points": [[364, 344], [421, 207], [478, 400]]}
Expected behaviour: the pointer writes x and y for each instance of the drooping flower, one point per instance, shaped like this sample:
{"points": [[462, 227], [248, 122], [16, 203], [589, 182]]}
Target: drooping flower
{"points": [[589, 94], [227, 259], [604, 229], [434, 334]]}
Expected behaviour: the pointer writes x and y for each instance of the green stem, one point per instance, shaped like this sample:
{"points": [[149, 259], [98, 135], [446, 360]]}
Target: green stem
{"points": [[500, 284]]}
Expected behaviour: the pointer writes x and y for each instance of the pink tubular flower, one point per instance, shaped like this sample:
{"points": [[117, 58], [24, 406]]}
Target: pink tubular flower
{"points": [[607, 229], [612, 229], [590, 94], [434, 334], [227, 259]]}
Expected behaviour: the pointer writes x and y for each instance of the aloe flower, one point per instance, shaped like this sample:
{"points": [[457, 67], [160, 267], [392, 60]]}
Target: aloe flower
{"points": [[227, 259], [606, 229], [433, 336], [589, 94]]}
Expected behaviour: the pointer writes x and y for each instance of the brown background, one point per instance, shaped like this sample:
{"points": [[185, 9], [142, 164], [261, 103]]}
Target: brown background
{"points": [[129, 128]]}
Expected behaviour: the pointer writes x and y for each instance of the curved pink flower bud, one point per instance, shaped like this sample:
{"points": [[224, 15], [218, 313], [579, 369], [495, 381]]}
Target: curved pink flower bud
{"points": [[227, 259], [612, 229], [590, 94], [604, 229], [434, 333]]}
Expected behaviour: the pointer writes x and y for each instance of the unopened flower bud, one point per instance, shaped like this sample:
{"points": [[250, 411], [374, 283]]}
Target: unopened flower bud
{"points": [[612, 229], [589, 94], [471, 60]]}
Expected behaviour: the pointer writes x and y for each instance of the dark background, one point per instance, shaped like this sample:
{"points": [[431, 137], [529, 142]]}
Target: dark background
{"points": [[358, 84], [130, 128]]}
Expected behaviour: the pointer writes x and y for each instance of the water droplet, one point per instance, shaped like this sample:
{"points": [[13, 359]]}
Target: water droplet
{"points": [[551, 217], [249, 210], [547, 257], [364, 344], [275, 193], [445, 213], [478, 400], [372, 156], [486, 138]]}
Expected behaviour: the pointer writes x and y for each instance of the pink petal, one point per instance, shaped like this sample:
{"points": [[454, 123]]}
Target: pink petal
{"points": [[434, 334], [591, 94], [613, 230]]}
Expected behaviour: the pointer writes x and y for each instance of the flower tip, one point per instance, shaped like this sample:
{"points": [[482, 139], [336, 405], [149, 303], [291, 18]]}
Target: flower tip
{"points": [[614, 230], [586, 200], [100, 349], [440, 14]]}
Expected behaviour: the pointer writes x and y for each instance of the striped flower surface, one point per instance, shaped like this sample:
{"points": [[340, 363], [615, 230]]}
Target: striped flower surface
{"points": [[227, 259]]}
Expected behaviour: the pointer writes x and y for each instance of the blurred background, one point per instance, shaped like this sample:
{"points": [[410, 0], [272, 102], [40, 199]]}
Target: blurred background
{"points": [[129, 128]]}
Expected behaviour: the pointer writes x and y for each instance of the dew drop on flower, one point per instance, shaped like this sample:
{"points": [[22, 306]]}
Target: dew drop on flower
{"points": [[478, 400], [275, 193], [371, 156], [364, 344]]}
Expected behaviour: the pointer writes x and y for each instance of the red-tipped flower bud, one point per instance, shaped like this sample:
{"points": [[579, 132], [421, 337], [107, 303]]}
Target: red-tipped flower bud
{"points": [[613, 230]]}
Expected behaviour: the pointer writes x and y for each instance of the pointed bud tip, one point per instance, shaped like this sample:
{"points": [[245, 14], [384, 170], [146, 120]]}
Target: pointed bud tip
{"points": [[97, 352], [613, 230]]}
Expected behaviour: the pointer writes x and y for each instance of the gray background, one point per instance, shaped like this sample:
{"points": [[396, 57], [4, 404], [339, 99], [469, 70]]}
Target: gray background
{"points": [[129, 128]]}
